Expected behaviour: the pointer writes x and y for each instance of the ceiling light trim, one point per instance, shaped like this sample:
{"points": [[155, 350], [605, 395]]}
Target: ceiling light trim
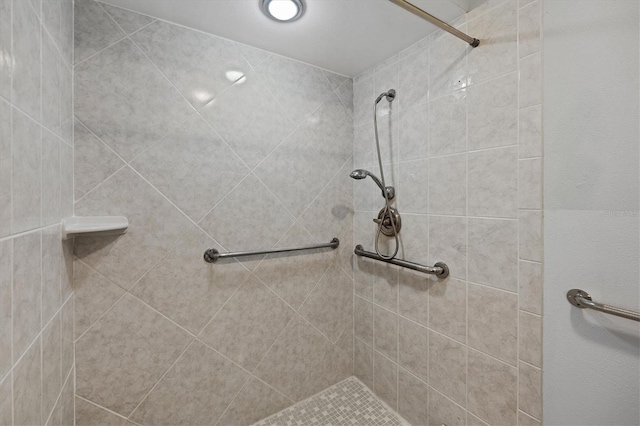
{"points": [[298, 4]]}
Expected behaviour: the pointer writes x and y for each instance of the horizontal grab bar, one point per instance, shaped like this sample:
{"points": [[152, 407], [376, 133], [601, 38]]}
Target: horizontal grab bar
{"points": [[440, 269], [582, 299], [212, 255]]}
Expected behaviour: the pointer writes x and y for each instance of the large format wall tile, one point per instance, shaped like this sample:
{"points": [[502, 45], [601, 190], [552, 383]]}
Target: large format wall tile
{"points": [[153, 106], [201, 380], [330, 306], [413, 348], [51, 82], [27, 291], [497, 30], [303, 362], [26, 173], [5, 167], [124, 354], [154, 226], [6, 323], [447, 367], [52, 272], [51, 175], [89, 414], [93, 29], [412, 398], [201, 66], [5, 49], [414, 133], [51, 365], [93, 162], [26, 59], [192, 167], [318, 146], [255, 401], [491, 389], [493, 183], [292, 276], [448, 64], [443, 411], [94, 295], [493, 114], [247, 326], [385, 379], [447, 124], [263, 123], [249, 218], [187, 289], [27, 387], [493, 253], [493, 322], [306, 87], [6, 400], [331, 213], [130, 22]]}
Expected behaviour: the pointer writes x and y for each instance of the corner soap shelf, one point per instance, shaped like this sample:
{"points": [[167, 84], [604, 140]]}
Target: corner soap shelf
{"points": [[93, 226]]}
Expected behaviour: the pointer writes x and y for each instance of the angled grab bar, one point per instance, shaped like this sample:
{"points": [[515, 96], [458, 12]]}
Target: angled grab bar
{"points": [[440, 269], [212, 255], [582, 299]]}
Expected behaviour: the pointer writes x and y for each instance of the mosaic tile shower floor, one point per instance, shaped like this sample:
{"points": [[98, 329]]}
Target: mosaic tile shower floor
{"points": [[347, 403]]}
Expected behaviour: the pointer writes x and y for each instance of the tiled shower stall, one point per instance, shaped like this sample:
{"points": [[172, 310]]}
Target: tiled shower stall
{"points": [[203, 142]]}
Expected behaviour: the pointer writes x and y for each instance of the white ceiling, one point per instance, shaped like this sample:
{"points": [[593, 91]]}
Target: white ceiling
{"points": [[344, 36]]}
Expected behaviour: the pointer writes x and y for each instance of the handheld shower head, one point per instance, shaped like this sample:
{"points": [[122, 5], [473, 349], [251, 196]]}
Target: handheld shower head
{"points": [[390, 95], [359, 174]]}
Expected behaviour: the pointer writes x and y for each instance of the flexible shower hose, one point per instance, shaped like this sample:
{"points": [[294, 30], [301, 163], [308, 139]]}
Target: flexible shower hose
{"points": [[386, 195]]}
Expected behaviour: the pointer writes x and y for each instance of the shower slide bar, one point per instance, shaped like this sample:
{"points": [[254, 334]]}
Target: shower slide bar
{"points": [[474, 42], [212, 255], [581, 299], [440, 269]]}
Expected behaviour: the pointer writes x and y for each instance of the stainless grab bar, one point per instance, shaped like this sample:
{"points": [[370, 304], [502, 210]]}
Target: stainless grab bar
{"points": [[582, 299], [440, 269], [212, 255]]}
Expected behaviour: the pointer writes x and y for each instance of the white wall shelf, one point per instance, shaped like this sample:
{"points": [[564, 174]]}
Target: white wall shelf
{"points": [[93, 226]]}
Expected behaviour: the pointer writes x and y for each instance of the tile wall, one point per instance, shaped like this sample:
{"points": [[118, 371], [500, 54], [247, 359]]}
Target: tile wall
{"points": [[36, 192], [462, 145], [203, 142]]}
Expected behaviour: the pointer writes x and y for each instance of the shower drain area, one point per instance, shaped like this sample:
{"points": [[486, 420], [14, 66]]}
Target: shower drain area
{"points": [[349, 402]]}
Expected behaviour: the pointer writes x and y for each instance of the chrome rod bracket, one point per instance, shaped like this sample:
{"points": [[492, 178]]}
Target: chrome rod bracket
{"points": [[440, 269], [582, 299], [575, 295], [213, 255]]}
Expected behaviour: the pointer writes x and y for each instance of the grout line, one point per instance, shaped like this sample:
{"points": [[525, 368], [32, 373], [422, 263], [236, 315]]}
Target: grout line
{"points": [[100, 406], [215, 315], [155, 385]]}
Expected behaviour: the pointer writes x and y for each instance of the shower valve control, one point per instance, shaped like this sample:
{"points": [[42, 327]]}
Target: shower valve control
{"points": [[384, 221]]}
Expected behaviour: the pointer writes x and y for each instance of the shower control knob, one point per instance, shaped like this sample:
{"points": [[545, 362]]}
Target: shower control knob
{"points": [[384, 221]]}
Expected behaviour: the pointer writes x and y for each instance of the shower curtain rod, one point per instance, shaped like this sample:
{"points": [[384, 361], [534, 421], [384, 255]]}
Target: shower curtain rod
{"points": [[474, 42]]}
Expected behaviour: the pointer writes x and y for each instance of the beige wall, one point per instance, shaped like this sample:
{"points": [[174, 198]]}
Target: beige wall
{"points": [[36, 192], [202, 142], [462, 145]]}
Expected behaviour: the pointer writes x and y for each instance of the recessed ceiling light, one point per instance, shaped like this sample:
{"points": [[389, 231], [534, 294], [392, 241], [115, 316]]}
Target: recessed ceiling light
{"points": [[283, 10]]}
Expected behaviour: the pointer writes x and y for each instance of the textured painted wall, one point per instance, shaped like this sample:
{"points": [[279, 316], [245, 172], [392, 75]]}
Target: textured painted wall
{"points": [[203, 142], [462, 145], [592, 192], [36, 192]]}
